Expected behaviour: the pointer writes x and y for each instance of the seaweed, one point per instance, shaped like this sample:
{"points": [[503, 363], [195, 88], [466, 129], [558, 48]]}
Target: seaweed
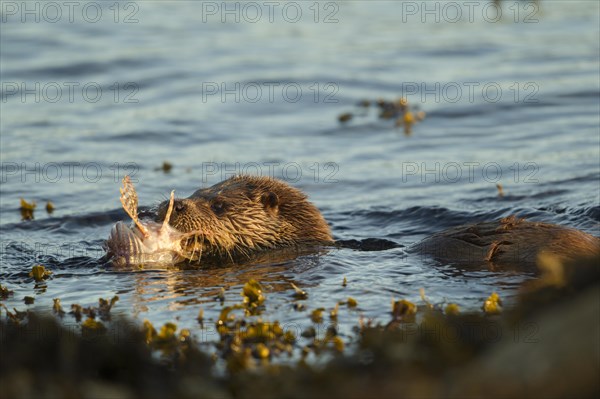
{"points": [[5, 292], [57, 307], [345, 117], [166, 167], [492, 305], [39, 273], [317, 315], [27, 209], [298, 293], [427, 349], [405, 115], [351, 302]]}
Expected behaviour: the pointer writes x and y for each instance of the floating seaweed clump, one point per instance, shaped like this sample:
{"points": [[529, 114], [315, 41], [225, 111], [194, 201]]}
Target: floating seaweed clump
{"points": [[15, 316], [334, 312], [244, 343], [252, 293], [351, 302], [39, 273], [172, 346], [105, 306], [5, 292], [493, 304], [166, 167], [317, 315], [57, 307], [403, 310], [298, 293], [92, 326], [452, 309], [405, 115], [27, 209], [103, 309]]}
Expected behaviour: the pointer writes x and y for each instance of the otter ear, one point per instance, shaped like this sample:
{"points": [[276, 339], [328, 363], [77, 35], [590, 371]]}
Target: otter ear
{"points": [[270, 201]]}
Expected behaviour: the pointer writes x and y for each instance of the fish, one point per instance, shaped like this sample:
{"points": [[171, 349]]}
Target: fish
{"points": [[144, 242]]}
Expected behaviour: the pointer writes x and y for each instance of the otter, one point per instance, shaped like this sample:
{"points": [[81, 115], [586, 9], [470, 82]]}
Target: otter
{"points": [[228, 222], [510, 243], [243, 216], [247, 214]]}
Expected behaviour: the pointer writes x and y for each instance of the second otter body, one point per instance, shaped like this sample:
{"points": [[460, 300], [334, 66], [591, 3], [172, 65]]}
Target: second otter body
{"points": [[508, 244]]}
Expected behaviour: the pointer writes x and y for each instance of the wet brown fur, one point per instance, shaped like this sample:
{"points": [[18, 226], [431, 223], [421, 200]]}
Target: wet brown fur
{"points": [[508, 244], [245, 214]]}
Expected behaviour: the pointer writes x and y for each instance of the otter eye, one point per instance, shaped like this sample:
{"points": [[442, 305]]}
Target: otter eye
{"points": [[179, 206], [218, 207]]}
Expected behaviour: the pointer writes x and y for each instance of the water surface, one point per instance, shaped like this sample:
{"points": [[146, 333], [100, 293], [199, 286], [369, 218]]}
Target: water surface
{"points": [[539, 138]]}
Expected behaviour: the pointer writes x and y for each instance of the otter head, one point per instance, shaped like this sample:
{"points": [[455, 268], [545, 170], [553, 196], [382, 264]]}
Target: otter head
{"points": [[245, 214]]}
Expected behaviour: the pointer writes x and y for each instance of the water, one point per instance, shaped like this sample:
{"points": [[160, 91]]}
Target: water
{"points": [[511, 98]]}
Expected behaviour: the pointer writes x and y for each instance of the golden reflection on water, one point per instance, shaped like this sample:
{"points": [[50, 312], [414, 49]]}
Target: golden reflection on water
{"points": [[190, 286]]}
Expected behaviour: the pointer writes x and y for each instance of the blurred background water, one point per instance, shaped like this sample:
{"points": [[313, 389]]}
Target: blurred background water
{"points": [[95, 90]]}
